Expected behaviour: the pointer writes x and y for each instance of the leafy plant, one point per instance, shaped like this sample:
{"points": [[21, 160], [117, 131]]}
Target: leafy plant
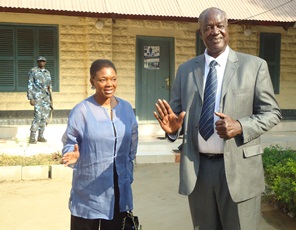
{"points": [[280, 176]]}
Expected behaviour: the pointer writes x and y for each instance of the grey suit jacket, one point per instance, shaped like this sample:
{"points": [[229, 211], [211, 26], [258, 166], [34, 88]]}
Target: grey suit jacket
{"points": [[247, 96]]}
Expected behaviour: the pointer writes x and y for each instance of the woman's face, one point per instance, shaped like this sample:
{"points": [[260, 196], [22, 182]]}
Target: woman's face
{"points": [[105, 82]]}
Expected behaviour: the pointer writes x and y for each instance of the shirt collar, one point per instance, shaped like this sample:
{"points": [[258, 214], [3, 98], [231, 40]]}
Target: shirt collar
{"points": [[221, 59]]}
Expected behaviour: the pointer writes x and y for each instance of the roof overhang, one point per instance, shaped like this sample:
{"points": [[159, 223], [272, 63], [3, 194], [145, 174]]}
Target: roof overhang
{"points": [[115, 16]]}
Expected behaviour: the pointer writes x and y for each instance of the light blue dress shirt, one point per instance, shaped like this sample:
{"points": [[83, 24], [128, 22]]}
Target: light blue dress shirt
{"points": [[102, 142]]}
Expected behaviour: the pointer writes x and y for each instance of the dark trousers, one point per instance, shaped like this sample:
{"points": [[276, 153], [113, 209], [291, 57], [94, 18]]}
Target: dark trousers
{"points": [[78, 223], [211, 205]]}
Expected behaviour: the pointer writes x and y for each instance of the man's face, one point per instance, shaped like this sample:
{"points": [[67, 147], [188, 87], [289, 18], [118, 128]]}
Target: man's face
{"points": [[41, 64], [214, 32]]}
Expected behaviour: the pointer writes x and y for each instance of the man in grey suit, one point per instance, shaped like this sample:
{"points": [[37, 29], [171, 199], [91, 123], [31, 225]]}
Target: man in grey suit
{"points": [[221, 172]]}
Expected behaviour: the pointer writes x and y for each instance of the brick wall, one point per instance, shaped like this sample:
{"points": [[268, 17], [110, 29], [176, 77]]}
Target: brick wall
{"points": [[288, 70], [250, 44], [124, 47], [80, 43]]}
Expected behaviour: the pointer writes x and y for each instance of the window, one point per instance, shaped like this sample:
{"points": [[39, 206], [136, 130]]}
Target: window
{"points": [[19, 48], [200, 47], [270, 50]]}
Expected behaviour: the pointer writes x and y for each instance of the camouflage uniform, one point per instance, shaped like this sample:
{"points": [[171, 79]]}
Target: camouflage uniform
{"points": [[39, 86]]}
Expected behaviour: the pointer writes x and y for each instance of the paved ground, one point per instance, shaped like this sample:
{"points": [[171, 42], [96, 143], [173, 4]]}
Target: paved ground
{"points": [[35, 205]]}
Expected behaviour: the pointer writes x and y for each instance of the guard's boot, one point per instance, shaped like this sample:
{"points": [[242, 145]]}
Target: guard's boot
{"points": [[41, 137], [32, 139]]}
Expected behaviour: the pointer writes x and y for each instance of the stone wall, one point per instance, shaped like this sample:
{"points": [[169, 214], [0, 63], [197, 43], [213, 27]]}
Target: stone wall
{"points": [[288, 70], [250, 44], [80, 43], [125, 32]]}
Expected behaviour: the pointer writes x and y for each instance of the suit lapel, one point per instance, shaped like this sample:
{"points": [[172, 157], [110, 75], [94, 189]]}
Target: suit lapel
{"points": [[230, 69], [199, 74]]}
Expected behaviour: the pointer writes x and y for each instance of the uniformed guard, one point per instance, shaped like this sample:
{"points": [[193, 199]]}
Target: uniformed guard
{"points": [[40, 96]]}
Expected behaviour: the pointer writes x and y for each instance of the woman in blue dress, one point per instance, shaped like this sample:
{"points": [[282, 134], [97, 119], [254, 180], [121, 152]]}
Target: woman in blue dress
{"points": [[100, 144]]}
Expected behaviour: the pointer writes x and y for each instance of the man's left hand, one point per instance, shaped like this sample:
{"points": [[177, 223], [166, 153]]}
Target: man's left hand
{"points": [[227, 127]]}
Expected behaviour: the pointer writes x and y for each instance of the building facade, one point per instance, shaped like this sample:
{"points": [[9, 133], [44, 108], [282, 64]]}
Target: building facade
{"points": [[146, 53]]}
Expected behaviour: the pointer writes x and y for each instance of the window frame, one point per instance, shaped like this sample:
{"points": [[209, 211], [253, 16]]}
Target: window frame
{"points": [[20, 54], [270, 51]]}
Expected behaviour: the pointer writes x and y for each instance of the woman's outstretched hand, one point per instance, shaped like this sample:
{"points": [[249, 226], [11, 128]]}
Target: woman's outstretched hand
{"points": [[71, 157], [166, 118]]}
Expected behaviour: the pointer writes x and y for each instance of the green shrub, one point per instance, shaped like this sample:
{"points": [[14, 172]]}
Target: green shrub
{"points": [[39, 159], [280, 176]]}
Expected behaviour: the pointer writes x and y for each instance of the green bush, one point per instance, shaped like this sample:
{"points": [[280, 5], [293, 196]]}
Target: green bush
{"points": [[39, 159], [280, 177]]}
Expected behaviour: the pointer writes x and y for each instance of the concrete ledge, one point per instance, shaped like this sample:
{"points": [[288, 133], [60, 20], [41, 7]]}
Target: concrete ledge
{"points": [[9, 173], [8, 132], [156, 157], [35, 172], [60, 172], [152, 129], [284, 126]]}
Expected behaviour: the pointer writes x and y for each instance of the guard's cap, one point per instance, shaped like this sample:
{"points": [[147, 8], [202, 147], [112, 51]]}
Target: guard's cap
{"points": [[41, 58]]}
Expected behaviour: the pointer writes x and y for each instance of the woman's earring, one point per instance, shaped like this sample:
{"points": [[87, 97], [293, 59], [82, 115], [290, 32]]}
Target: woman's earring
{"points": [[92, 87]]}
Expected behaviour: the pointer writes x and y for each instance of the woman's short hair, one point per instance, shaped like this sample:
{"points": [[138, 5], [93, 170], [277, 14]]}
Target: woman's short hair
{"points": [[99, 64]]}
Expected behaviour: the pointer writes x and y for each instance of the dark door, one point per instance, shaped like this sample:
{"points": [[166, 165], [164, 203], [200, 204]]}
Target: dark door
{"points": [[154, 74]]}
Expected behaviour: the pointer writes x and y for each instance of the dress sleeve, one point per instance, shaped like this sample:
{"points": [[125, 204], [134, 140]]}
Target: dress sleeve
{"points": [[75, 128]]}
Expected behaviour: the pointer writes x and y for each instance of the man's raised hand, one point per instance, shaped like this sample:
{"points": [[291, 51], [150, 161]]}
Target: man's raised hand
{"points": [[166, 118]]}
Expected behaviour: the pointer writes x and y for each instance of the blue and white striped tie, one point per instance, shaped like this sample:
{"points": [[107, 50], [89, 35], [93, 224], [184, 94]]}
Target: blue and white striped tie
{"points": [[206, 121]]}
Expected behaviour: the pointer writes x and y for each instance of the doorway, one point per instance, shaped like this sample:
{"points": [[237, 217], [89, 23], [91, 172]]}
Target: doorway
{"points": [[154, 74]]}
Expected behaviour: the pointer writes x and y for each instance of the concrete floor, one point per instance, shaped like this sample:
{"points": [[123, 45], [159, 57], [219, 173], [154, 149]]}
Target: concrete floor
{"points": [[42, 204]]}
